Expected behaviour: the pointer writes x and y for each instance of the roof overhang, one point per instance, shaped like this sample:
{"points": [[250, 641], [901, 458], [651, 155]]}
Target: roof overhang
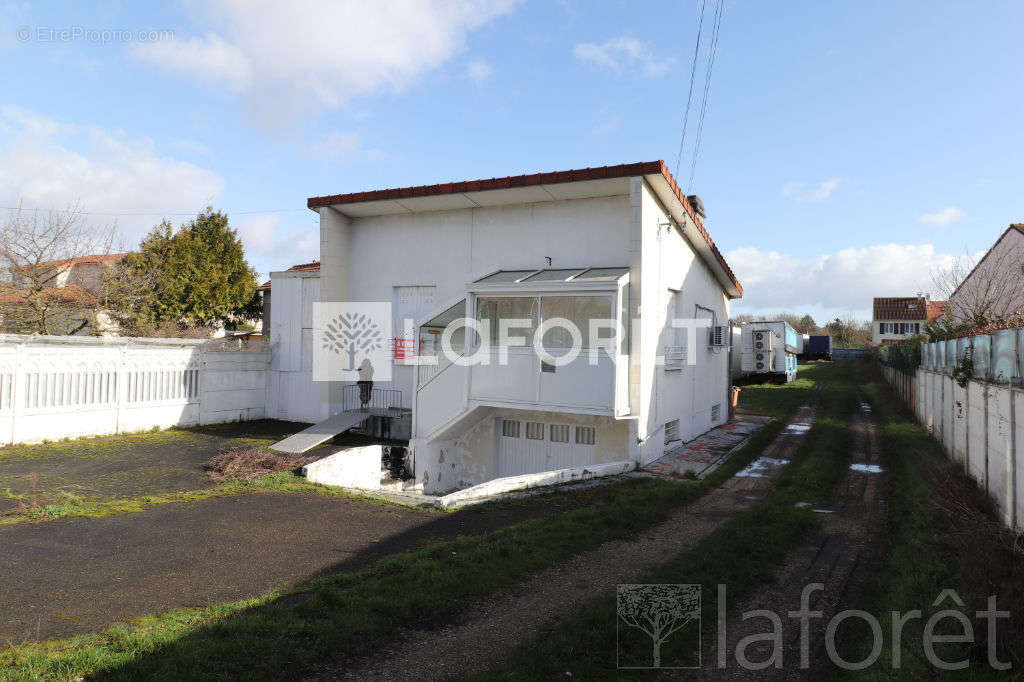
{"points": [[540, 187]]}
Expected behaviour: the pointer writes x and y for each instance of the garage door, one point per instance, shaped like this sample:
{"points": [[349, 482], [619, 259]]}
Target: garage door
{"points": [[528, 447]]}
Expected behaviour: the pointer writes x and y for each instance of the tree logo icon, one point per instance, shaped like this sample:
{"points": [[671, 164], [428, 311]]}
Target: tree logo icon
{"points": [[352, 335], [658, 626]]}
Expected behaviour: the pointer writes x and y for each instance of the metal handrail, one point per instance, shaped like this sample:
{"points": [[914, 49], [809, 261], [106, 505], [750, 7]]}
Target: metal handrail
{"points": [[380, 399]]}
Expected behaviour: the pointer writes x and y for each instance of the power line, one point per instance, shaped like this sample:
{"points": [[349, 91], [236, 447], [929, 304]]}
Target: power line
{"points": [[719, 8], [176, 212], [689, 96]]}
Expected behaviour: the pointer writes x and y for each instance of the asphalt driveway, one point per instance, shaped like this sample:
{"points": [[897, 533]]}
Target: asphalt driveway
{"points": [[79, 575]]}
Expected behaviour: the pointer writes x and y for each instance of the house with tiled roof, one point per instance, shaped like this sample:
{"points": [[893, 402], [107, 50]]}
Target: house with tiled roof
{"points": [[84, 272], [897, 318], [486, 281], [994, 288]]}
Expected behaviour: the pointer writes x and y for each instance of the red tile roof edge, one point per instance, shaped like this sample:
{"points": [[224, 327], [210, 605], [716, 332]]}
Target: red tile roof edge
{"points": [[312, 266], [577, 175]]}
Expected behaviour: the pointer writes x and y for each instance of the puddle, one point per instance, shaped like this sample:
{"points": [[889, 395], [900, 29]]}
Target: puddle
{"points": [[805, 505], [759, 468], [799, 427], [752, 497], [867, 468]]}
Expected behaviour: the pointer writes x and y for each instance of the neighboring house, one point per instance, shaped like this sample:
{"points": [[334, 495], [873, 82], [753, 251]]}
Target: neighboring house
{"points": [[85, 272], [291, 393], [994, 289], [619, 242], [896, 319], [70, 290]]}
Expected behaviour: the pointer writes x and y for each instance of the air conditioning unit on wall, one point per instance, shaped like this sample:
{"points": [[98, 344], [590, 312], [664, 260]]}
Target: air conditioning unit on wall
{"points": [[720, 335]]}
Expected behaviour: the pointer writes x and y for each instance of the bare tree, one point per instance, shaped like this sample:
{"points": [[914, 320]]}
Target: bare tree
{"points": [[37, 249], [988, 290]]}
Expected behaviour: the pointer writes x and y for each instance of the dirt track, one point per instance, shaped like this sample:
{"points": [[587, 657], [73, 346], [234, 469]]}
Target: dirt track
{"points": [[490, 631], [840, 555]]}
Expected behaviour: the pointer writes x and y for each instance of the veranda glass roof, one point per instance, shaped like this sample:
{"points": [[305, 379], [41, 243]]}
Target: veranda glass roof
{"points": [[554, 275]]}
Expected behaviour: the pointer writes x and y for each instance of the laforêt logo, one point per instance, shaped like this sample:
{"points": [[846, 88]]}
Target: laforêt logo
{"points": [[351, 341], [352, 335], [667, 615]]}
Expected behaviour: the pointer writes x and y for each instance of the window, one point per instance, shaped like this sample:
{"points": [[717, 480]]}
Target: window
{"points": [[491, 310], [716, 412], [671, 430], [585, 435], [559, 433], [535, 430], [579, 310], [675, 337], [510, 428]]}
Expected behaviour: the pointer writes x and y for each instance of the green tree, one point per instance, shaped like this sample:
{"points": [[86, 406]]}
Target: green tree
{"points": [[195, 276], [807, 325]]}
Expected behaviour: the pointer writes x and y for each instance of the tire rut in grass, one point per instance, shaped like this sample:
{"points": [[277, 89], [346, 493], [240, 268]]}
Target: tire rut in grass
{"points": [[842, 553], [490, 631]]}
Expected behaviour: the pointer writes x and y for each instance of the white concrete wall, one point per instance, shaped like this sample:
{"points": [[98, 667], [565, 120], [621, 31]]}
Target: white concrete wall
{"points": [[670, 266], [470, 457], [363, 259], [65, 387], [981, 426], [292, 395]]}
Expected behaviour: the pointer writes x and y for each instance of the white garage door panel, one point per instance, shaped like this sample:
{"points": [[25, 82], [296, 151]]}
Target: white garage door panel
{"points": [[519, 455]]}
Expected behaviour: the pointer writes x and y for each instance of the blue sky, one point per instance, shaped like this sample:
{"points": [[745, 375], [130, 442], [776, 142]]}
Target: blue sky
{"points": [[847, 149]]}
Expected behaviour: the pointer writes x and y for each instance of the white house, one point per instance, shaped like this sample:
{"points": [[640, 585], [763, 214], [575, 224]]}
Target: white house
{"points": [[896, 319], [618, 242]]}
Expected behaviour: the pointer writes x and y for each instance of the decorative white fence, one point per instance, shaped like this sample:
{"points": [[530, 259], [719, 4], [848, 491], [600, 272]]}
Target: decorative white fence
{"points": [[980, 424], [65, 387]]}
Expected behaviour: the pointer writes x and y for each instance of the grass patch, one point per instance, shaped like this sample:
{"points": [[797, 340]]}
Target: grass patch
{"points": [[932, 550], [742, 554], [277, 635], [253, 433], [780, 400], [47, 507]]}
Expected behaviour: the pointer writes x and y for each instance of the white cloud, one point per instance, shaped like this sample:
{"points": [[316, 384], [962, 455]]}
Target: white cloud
{"points": [[51, 164], [943, 218], [344, 146], [479, 70], [802, 191], [833, 283], [620, 54], [289, 57], [272, 245]]}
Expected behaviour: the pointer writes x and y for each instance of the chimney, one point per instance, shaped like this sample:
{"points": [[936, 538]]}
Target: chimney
{"points": [[697, 205]]}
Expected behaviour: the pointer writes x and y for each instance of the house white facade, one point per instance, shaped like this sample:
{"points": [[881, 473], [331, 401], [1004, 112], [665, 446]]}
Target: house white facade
{"points": [[617, 243]]}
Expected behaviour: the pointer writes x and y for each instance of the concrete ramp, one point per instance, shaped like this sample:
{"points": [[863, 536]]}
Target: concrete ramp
{"points": [[318, 434]]}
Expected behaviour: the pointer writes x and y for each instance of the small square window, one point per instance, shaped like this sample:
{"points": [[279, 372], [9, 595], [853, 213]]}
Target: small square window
{"points": [[510, 428], [559, 433], [585, 435], [535, 430]]}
